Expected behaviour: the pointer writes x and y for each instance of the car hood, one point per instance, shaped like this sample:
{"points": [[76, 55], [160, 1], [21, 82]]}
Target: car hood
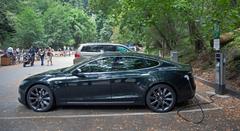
{"points": [[48, 74]]}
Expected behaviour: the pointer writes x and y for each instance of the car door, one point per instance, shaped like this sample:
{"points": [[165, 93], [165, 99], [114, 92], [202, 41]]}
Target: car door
{"points": [[127, 79], [92, 84]]}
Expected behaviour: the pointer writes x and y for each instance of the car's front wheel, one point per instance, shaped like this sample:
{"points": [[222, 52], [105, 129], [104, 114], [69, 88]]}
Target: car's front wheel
{"points": [[161, 98], [40, 98]]}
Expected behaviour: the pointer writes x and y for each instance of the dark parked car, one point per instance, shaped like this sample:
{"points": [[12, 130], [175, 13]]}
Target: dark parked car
{"points": [[111, 78]]}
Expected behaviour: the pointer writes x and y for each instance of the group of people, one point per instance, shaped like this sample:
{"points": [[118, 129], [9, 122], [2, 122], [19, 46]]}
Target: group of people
{"points": [[14, 54], [44, 53]]}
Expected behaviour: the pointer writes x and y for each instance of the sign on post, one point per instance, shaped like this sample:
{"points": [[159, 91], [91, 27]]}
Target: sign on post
{"points": [[216, 44], [216, 36]]}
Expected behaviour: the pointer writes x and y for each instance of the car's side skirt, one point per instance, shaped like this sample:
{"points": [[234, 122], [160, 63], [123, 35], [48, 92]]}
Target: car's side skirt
{"points": [[103, 103]]}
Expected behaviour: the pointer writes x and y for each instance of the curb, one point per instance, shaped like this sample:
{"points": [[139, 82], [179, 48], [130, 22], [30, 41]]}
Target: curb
{"points": [[229, 89]]}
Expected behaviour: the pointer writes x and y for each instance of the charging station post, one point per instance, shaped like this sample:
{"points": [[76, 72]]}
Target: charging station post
{"points": [[220, 73], [220, 62], [174, 56]]}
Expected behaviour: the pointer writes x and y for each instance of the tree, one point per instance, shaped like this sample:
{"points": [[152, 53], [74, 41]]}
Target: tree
{"points": [[165, 24], [56, 26], [29, 28], [82, 27], [6, 24]]}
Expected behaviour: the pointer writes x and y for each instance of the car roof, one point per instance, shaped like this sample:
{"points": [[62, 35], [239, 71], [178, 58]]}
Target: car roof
{"points": [[129, 54], [85, 44]]}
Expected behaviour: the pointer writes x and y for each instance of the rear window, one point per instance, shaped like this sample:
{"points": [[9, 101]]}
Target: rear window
{"points": [[91, 48], [151, 63], [131, 63]]}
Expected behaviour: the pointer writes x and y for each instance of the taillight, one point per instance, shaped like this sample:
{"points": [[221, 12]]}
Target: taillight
{"points": [[77, 55]]}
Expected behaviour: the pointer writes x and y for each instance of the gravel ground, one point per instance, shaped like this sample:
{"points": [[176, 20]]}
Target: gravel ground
{"points": [[230, 104], [209, 75]]}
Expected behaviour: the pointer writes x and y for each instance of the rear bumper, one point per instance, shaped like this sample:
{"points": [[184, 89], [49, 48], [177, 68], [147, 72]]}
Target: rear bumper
{"points": [[187, 90]]}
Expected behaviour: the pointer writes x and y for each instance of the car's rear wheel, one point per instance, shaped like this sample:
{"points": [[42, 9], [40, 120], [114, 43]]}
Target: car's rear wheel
{"points": [[161, 98], [40, 98]]}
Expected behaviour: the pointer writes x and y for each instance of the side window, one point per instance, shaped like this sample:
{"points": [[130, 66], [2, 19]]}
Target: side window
{"points": [[122, 49], [151, 63], [86, 49], [165, 64], [101, 65], [109, 48], [131, 63], [92, 48]]}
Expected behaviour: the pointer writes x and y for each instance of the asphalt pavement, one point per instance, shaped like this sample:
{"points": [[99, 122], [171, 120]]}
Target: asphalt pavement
{"points": [[16, 117]]}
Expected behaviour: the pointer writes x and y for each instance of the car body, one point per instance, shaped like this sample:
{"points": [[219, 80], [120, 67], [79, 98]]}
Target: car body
{"points": [[112, 78], [90, 49]]}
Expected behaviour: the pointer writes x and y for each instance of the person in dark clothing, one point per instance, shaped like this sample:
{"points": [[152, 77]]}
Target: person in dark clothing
{"points": [[32, 53], [41, 54]]}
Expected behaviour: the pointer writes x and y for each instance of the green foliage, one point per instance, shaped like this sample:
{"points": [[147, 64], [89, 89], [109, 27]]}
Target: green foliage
{"points": [[29, 28], [56, 26], [82, 27], [45, 23], [157, 25], [6, 24], [164, 24]]}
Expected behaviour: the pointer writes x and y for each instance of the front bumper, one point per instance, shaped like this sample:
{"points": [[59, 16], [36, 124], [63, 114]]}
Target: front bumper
{"points": [[20, 101], [21, 97]]}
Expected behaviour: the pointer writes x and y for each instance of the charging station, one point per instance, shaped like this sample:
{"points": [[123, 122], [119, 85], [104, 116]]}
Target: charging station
{"points": [[220, 62], [220, 73]]}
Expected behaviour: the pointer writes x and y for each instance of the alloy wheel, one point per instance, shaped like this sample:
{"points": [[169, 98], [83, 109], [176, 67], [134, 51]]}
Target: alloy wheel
{"points": [[40, 98], [161, 98]]}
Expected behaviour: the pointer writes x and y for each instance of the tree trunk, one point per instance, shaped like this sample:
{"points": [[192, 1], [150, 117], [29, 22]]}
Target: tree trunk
{"points": [[196, 37], [77, 40], [234, 3]]}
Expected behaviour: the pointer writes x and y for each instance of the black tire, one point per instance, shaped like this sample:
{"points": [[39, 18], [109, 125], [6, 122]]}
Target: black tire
{"points": [[161, 98], [24, 65], [40, 98]]}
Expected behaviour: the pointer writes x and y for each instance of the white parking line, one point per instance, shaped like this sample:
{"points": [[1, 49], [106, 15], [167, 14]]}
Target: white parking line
{"points": [[104, 115], [116, 114], [202, 97]]}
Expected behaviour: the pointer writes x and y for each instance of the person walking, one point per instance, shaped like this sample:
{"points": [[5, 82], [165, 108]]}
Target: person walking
{"points": [[18, 54], [32, 53], [49, 56], [41, 54]]}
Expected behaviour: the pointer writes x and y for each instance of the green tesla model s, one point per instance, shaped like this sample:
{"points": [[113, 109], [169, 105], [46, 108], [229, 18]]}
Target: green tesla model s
{"points": [[111, 79]]}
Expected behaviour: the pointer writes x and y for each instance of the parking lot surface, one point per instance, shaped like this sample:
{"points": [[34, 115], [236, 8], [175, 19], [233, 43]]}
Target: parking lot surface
{"points": [[14, 116]]}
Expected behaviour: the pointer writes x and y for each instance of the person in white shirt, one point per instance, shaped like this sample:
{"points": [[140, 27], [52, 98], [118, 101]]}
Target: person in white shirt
{"points": [[10, 51]]}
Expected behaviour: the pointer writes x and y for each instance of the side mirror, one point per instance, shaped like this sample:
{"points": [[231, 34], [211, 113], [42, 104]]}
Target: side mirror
{"points": [[78, 73], [79, 70]]}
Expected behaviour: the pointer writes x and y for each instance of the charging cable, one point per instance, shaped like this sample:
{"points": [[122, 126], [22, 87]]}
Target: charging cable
{"points": [[197, 103]]}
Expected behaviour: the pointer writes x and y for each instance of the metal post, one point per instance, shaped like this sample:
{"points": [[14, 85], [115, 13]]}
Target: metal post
{"points": [[174, 56], [220, 61], [220, 73]]}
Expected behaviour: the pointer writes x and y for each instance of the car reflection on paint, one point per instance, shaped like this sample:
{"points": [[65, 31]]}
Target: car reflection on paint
{"points": [[111, 78]]}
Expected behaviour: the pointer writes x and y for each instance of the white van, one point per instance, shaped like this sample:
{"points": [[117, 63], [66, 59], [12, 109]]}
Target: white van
{"points": [[90, 49]]}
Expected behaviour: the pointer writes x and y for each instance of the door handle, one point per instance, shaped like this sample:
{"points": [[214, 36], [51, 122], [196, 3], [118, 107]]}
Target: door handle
{"points": [[91, 76]]}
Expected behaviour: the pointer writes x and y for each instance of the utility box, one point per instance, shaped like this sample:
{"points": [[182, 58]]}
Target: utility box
{"points": [[5, 61], [174, 56]]}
